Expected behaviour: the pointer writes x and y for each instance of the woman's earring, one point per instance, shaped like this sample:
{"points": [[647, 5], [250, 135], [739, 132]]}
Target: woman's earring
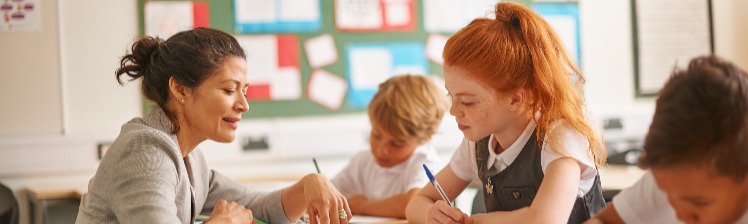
{"points": [[182, 100]]}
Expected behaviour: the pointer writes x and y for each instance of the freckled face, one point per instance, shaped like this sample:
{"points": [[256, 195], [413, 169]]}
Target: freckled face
{"points": [[214, 108], [479, 111], [699, 195], [389, 151]]}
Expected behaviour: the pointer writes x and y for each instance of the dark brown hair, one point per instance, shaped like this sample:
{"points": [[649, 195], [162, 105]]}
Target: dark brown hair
{"points": [[519, 49], [701, 119], [189, 56]]}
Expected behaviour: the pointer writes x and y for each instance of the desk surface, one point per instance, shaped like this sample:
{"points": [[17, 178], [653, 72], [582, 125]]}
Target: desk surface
{"points": [[616, 177], [611, 177]]}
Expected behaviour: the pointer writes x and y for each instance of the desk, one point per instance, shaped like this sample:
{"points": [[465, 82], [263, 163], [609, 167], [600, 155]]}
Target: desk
{"points": [[40, 197], [617, 177]]}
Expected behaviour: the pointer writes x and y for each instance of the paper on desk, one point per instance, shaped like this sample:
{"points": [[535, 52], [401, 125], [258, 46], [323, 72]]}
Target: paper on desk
{"points": [[371, 219]]}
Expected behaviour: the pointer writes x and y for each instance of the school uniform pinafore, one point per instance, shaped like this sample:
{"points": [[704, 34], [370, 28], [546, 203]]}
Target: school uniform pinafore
{"points": [[515, 187]]}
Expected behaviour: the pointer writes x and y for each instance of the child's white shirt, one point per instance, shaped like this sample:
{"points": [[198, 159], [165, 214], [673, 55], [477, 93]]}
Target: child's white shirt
{"points": [[644, 202], [574, 144], [364, 176]]}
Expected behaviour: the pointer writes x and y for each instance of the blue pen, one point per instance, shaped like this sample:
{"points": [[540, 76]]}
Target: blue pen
{"points": [[436, 185]]}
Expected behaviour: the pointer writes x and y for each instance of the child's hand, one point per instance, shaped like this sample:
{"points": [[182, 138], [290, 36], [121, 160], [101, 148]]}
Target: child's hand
{"points": [[356, 202], [441, 212], [229, 212]]}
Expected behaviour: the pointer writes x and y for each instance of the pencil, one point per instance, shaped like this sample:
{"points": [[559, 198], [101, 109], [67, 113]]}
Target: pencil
{"points": [[315, 165]]}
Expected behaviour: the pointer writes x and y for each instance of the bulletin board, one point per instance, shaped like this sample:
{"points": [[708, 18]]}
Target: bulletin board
{"points": [[347, 40]]}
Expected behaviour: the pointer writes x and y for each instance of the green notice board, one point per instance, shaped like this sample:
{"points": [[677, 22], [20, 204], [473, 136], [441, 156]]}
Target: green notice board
{"points": [[222, 18]]}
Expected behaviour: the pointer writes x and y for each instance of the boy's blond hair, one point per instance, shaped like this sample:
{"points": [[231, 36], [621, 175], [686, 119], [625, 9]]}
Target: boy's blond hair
{"points": [[408, 107]]}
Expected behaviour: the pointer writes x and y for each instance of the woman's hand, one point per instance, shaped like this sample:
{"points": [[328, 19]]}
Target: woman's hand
{"points": [[229, 212], [324, 202], [442, 212]]}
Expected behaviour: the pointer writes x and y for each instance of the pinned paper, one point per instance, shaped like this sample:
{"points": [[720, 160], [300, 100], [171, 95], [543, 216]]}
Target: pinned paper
{"points": [[372, 15], [435, 47], [20, 16], [272, 67], [371, 64], [279, 16], [321, 51], [164, 19], [448, 16], [327, 89]]}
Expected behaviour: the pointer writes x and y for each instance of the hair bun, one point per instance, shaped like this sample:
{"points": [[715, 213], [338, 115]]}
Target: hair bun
{"points": [[144, 49]]}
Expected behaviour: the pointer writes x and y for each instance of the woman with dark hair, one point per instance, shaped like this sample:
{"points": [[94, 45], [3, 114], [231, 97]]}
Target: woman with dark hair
{"points": [[153, 172]]}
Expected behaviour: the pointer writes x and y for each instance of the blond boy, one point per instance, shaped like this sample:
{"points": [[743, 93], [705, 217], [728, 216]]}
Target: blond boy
{"points": [[404, 114]]}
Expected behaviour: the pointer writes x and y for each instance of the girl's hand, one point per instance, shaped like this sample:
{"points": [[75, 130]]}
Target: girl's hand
{"points": [[324, 202], [441, 212], [230, 212]]}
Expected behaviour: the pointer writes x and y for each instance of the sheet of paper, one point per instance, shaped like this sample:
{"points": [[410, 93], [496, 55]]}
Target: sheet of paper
{"points": [[397, 12], [666, 38], [262, 56], [372, 219], [450, 15], [21, 16], [321, 51], [272, 66], [435, 47], [358, 14], [286, 84], [369, 67], [327, 89], [164, 19], [253, 11], [299, 10]]}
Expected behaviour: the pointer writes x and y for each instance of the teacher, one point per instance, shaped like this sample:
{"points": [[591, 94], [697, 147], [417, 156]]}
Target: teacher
{"points": [[153, 172]]}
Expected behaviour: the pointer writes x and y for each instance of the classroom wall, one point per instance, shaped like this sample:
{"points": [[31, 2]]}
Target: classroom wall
{"points": [[607, 59]]}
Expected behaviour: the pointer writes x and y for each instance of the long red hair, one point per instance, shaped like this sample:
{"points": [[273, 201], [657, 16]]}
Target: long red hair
{"points": [[519, 49]]}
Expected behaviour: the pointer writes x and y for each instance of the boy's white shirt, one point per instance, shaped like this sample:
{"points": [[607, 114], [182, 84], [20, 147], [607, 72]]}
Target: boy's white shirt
{"points": [[364, 176], [576, 146], [644, 202]]}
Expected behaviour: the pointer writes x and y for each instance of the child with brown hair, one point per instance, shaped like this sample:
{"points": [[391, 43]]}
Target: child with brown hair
{"points": [[696, 151], [404, 114], [527, 137]]}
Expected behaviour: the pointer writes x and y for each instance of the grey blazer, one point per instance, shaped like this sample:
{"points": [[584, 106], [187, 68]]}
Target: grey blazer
{"points": [[143, 179]]}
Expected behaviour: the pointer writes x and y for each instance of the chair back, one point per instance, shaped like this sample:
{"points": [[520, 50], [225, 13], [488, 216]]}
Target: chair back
{"points": [[8, 206]]}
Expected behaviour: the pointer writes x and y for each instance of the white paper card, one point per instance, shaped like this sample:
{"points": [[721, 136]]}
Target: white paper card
{"points": [[164, 19], [398, 12], [435, 47], [286, 84], [358, 14], [262, 56], [253, 11], [327, 89], [369, 67], [321, 51], [299, 10]]}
